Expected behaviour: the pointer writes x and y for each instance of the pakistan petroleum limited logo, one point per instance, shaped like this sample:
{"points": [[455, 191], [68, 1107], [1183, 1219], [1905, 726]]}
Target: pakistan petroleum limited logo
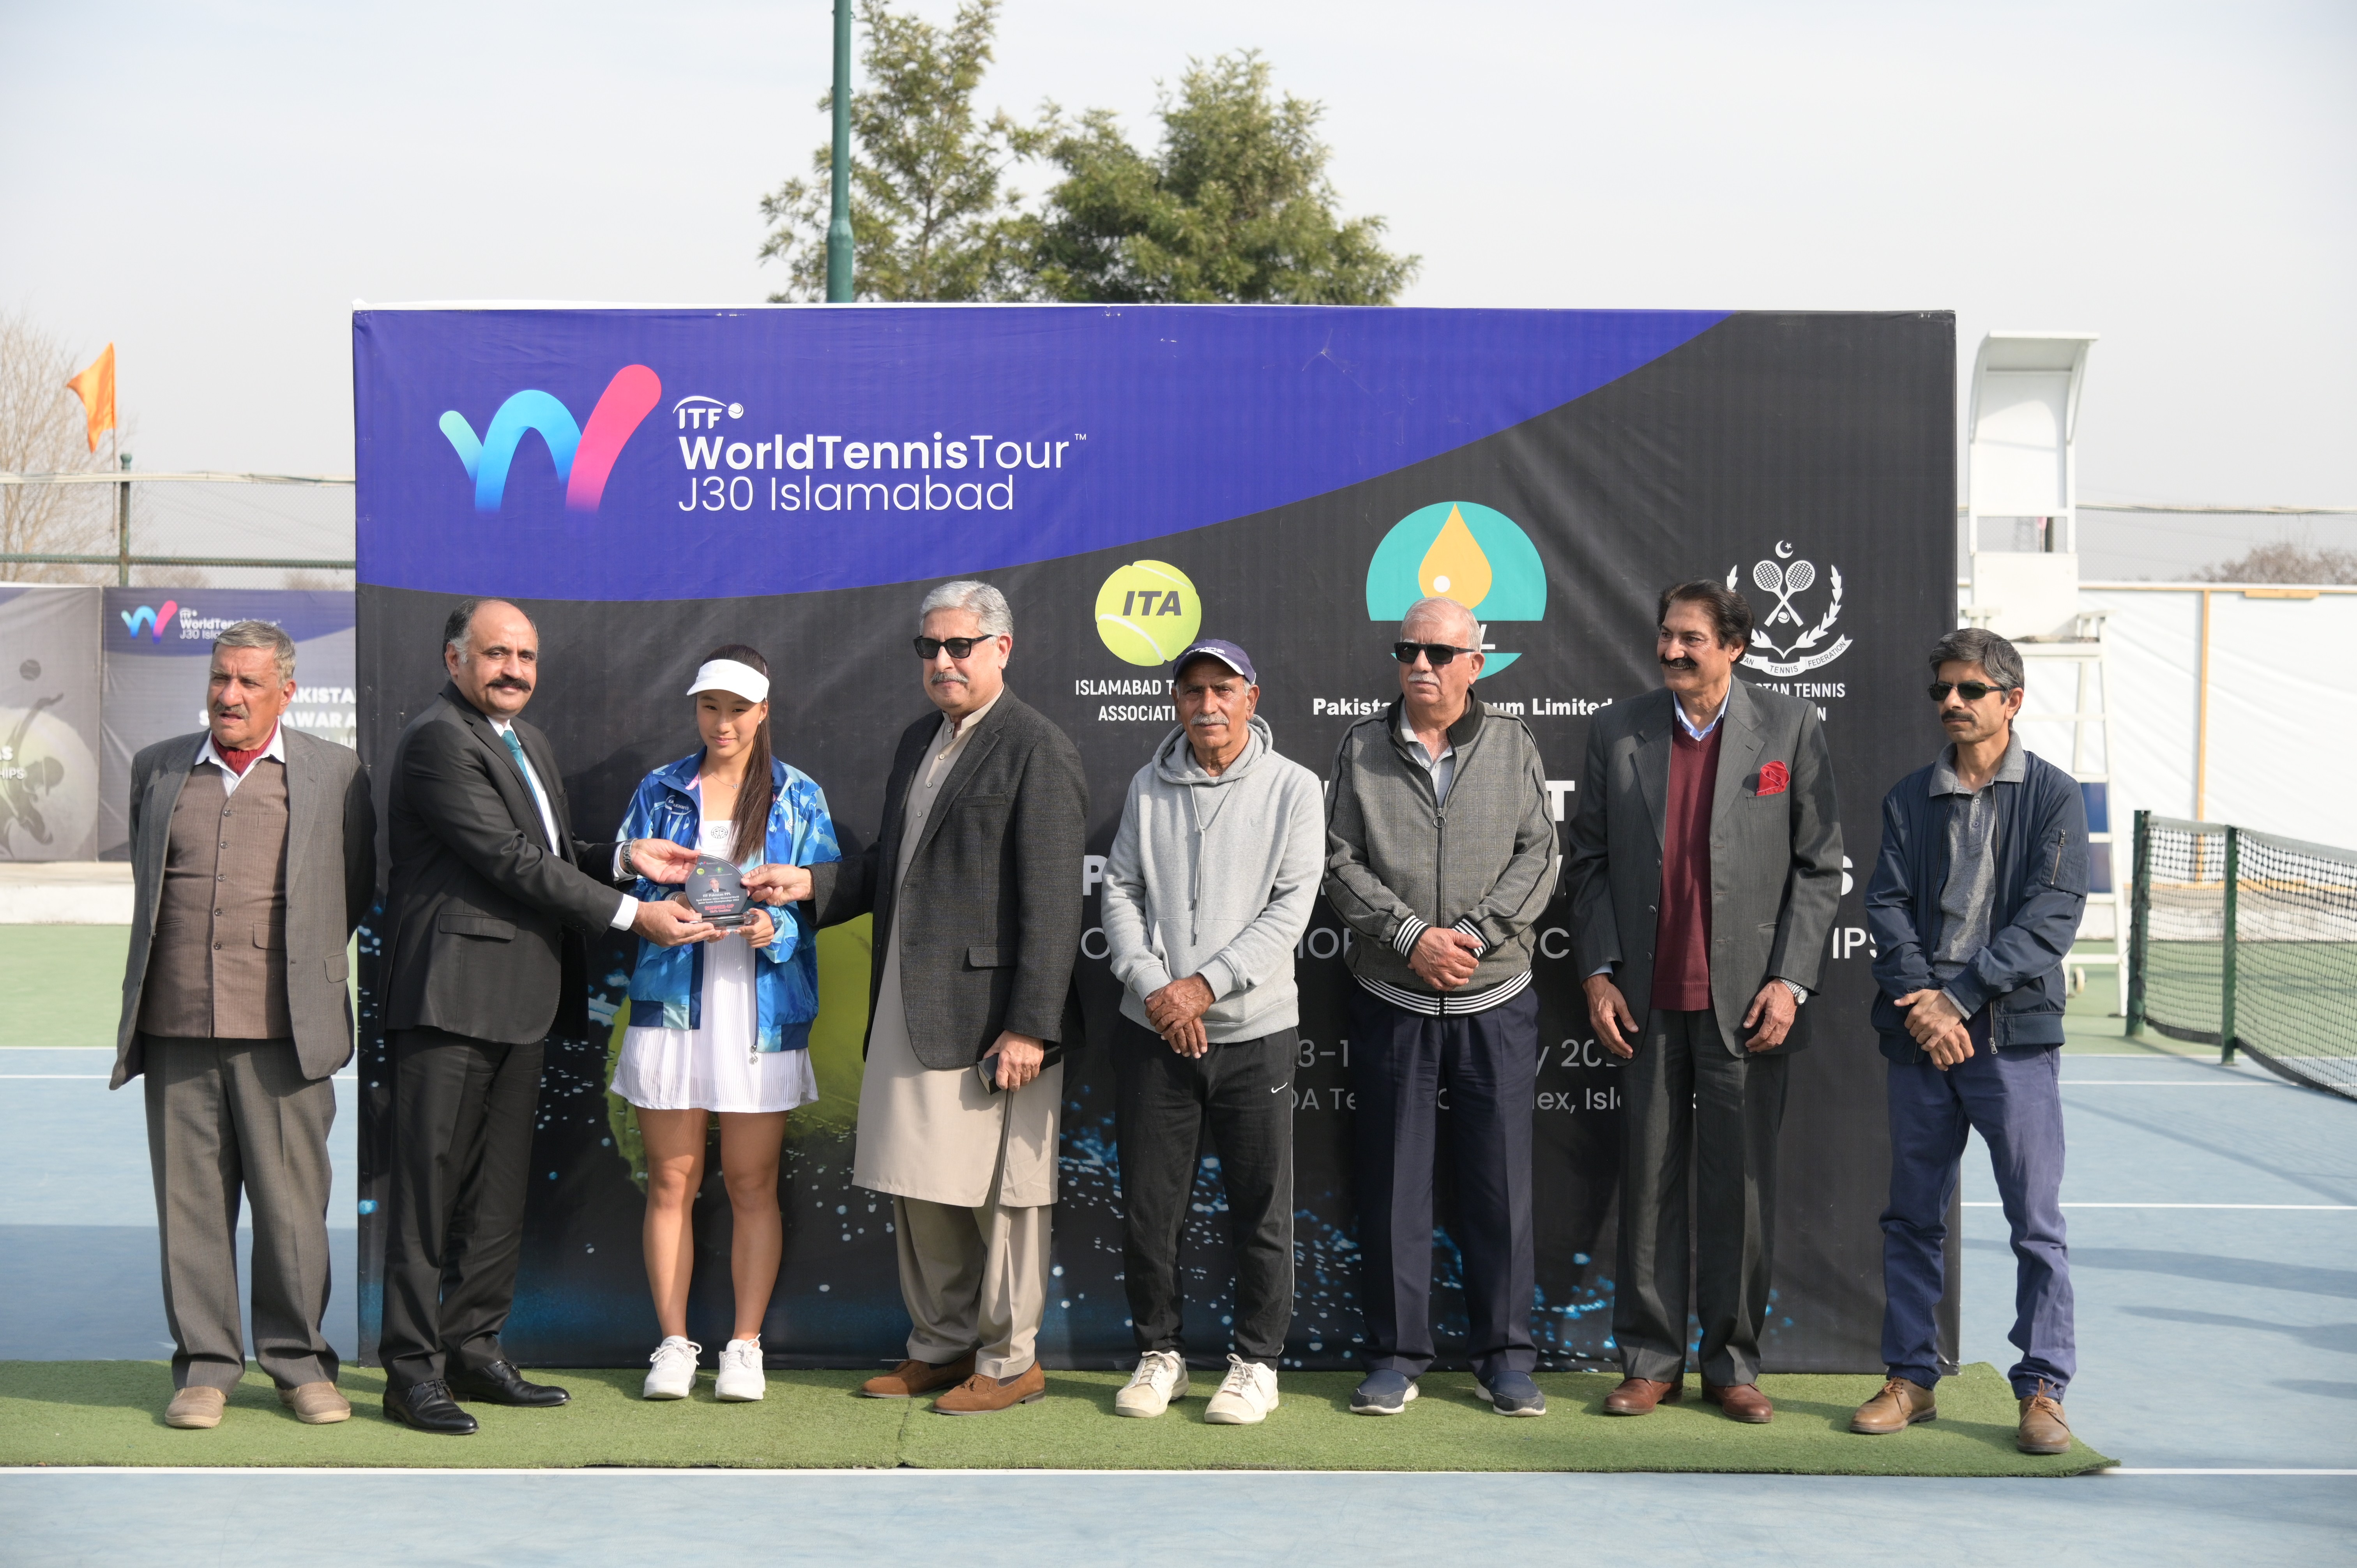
{"points": [[1786, 580]]}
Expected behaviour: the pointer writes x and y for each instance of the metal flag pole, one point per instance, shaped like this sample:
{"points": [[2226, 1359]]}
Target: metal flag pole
{"points": [[838, 226]]}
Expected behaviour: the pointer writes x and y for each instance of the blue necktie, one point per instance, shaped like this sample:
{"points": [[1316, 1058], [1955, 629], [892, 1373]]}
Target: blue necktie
{"points": [[515, 749]]}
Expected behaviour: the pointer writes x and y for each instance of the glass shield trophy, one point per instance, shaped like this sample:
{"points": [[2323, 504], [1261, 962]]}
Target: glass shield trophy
{"points": [[716, 891]]}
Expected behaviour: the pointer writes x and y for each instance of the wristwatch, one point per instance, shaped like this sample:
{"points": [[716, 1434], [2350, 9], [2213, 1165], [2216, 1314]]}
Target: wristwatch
{"points": [[629, 869], [1799, 993]]}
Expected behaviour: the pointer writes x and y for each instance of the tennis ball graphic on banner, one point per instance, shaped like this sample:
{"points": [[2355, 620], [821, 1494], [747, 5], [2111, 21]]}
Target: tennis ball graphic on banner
{"points": [[1147, 612]]}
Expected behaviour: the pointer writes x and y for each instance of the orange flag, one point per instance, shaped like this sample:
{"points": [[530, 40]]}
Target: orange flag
{"points": [[95, 387]]}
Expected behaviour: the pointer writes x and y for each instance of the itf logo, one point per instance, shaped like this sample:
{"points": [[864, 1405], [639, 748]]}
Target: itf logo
{"points": [[584, 455], [1458, 549], [146, 619]]}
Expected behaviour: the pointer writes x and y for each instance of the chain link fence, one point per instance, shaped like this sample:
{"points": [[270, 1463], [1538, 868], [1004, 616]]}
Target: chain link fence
{"points": [[222, 531]]}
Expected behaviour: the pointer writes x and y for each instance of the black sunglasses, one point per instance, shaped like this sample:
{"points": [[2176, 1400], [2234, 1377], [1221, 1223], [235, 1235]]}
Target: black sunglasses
{"points": [[929, 647], [1972, 690], [1439, 654]]}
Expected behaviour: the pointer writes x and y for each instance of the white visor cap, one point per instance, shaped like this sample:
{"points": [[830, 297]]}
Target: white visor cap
{"points": [[727, 675]]}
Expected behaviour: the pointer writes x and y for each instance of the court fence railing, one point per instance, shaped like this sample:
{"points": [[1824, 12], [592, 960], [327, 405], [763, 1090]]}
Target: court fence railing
{"points": [[272, 523], [2247, 941]]}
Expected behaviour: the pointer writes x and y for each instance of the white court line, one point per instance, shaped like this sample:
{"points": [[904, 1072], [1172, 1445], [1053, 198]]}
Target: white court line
{"points": [[2329, 1208], [2158, 1470], [103, 1077], [2174, 1083], [910, 1472]]}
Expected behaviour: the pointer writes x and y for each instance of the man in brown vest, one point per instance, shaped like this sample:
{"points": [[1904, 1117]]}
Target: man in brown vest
{"points": [[253, 856]]}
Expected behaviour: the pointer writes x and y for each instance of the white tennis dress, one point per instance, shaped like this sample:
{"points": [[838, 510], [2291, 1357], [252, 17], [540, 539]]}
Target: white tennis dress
{"points": [[715, 1068]]}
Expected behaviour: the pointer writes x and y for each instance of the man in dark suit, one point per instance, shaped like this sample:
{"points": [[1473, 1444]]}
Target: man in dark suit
{"points": [[973, 881], [253, 858], [483, 958], [1705, 866]]}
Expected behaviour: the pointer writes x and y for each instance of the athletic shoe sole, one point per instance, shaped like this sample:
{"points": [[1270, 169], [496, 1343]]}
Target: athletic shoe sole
{"points": [[1371, 1409], [1538, 1409]]}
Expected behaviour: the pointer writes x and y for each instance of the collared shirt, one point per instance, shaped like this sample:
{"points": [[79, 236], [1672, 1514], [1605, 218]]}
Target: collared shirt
{"points": [[1969, 894], [956, 733], [1688, 724], [230, 777], [629, 908], [1443, 768]]}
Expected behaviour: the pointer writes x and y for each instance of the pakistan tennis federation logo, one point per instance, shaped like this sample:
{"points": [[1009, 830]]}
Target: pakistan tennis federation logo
{"points": [[1787, 581]]}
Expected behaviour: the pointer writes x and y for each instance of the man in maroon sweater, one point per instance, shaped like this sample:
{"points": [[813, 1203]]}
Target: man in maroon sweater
{"points": [[1705, 869]]}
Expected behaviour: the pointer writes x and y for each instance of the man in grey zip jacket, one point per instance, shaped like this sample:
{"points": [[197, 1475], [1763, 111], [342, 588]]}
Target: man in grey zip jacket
{"points": [[1208, 889], [1440, 857]]}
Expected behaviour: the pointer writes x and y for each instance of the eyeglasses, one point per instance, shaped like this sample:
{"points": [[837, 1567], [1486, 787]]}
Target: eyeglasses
{"points": [[1439, 654], [929, 647], [1970, 690]]}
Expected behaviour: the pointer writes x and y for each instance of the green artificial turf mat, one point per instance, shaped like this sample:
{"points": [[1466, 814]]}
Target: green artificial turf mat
{"points": [[65, 983], [111, 1412]]}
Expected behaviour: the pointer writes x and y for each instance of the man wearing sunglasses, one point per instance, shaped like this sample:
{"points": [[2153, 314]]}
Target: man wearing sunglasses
{"points": [[1440, 857], [973, 883], [1705, 866], [1976, 898]]}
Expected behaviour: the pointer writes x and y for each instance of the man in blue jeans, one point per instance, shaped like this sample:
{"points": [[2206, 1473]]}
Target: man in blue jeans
{"points": [[1973, 904]]}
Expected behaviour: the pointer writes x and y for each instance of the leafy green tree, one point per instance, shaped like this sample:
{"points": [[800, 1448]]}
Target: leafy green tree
{"points": [[1235, 205], [928, 207]]}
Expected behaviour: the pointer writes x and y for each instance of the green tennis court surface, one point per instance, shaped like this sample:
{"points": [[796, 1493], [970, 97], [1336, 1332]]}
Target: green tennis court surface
{"points": [[111, 1412]]}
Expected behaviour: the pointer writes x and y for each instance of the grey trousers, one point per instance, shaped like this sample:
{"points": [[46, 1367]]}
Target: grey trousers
{"points": [[232, 1119], [1686, 1094], [973, 1279]]}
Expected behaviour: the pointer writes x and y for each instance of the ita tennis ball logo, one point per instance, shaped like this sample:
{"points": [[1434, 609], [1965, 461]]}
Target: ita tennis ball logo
{"points": [[1147, 612], [1461, 550]]}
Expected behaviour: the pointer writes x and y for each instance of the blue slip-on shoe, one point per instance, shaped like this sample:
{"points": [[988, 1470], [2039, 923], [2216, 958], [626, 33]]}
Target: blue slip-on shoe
{"points": [[1382, 1393], [1513, 1394]]}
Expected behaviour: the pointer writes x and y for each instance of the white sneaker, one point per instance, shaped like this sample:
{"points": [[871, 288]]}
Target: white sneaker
{"points": [[741, 1371], [674, 1369], [1161, 1377], [1246, 1395]]}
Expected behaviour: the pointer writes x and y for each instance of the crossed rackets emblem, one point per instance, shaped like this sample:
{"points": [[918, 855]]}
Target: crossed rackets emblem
{"points": [[1787, 579], [1784, 582]]}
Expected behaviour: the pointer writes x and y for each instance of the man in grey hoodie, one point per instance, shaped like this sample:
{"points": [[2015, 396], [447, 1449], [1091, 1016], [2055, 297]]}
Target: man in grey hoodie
{"points": [[1207, 890]]}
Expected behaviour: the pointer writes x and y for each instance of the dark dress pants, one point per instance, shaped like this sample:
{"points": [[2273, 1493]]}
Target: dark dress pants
{"points": [[2015, 1102], [1488, 1064], [462, 1121], [1163, 1102], [1686, 1096]]}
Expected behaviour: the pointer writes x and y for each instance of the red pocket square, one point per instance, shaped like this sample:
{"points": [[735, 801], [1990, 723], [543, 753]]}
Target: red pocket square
{"points": [[1775, 779]]}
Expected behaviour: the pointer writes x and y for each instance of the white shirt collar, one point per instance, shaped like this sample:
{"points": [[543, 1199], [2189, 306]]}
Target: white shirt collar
{"points": [[275, 748], [1703, 734]]}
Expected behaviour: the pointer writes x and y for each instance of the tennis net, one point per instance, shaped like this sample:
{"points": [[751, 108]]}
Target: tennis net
{"points": [[2248, 941]]}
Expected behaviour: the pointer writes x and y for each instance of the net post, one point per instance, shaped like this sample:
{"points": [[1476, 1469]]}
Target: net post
{"points": [[2139, 918], [2226, 953]]}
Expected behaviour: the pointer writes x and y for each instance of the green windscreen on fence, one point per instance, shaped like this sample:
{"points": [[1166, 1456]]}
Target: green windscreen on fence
{"points": [[2247, 941]]}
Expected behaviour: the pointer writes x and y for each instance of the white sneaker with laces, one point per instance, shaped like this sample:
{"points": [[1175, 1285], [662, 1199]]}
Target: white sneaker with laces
{"points": [[741, 1371], [674, 1375], [1246, 1395], [1161, 1377]]}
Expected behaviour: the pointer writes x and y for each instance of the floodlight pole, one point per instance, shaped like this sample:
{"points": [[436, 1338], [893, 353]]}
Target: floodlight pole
{"points": [[838, 225]]}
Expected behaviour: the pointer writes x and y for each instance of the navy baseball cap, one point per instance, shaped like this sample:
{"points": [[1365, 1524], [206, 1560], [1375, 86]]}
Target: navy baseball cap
{"points": [[1227, 654]]}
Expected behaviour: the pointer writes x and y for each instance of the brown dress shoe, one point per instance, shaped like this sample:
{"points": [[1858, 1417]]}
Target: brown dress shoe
{"points": [[1638, 1396], [911, 1378], [1742, 1402], [315, 1405], [983, 1394], [1902, 1404], [2044, 1429], [195, 1409]]}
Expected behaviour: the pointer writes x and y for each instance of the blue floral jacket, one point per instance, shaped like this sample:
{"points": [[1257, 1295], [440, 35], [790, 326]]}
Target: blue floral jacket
{"points": [[667, 987]]}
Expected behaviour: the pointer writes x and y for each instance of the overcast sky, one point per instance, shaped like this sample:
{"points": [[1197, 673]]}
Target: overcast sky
{"points": [[210, 185]]}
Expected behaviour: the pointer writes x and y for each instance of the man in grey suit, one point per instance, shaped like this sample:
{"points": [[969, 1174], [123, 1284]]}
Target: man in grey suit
{"points": [[1705, 864], [252, 858], [974, 882]]}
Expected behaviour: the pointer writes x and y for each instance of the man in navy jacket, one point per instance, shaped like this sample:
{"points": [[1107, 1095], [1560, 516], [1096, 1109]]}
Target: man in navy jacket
{"points": [[1974, 902]]}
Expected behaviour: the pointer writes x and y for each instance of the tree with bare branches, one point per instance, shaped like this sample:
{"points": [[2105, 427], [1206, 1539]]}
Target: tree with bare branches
{"points": [[43, 431]]}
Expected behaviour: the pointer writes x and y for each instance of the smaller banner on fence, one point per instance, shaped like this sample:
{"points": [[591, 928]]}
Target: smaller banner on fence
{"points": [[48, 721]]}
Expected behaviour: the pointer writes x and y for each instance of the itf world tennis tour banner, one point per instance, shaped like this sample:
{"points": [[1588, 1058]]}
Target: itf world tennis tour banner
{"points": [[650, 483]]}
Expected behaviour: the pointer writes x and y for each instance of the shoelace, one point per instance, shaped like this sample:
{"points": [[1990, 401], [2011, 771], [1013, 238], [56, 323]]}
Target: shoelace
{"points": [[749, 1352], [1896, 1391], [689, 1349], [1239, 1378], [1155, 1368]]}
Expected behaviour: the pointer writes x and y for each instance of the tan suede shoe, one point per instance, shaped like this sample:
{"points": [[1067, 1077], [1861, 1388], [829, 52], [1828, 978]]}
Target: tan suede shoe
{"points": [[195, 1409], [1638, 1396], [983, 1394], [911, 1378], [317, 1404], [1902, 1404], [2044, 1428]]}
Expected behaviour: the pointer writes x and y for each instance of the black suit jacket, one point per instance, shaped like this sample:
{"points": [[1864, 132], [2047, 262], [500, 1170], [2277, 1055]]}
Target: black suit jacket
{"points": [[482, 922], [992, 902]]}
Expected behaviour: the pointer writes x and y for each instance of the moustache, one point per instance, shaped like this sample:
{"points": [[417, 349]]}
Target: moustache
{"points": [[1681, 662], [510, 683], [947, 678]]}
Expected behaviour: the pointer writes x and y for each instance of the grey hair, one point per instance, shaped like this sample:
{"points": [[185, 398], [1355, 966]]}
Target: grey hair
{"points": [[1471, 622], [458, 629], [260, 634], [988, 605], [1972, 645]]}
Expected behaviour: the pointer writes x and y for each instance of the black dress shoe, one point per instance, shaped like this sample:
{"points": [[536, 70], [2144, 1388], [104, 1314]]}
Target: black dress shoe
{"points": [[428, 1407], [500, 1383]]}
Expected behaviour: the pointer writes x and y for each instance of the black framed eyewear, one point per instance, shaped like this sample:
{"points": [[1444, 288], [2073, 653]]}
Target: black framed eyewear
{"points": [[1438, 653], [929, 647], [1972, 690]]}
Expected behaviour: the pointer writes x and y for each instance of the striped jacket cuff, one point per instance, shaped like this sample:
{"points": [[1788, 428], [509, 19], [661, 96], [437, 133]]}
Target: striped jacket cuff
{"points": [[1403, 939], [1466, 925]]}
